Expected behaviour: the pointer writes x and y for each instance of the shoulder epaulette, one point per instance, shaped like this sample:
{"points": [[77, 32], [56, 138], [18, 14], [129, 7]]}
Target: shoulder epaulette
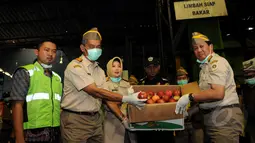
{"points": [[79, 59], [214, 61], [125, 80], [107, 78]]}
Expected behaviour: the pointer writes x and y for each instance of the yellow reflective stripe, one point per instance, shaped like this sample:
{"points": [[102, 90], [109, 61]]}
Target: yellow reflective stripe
{"points": [[91, 31], [57, 97], [200, 37], [37, 96]]}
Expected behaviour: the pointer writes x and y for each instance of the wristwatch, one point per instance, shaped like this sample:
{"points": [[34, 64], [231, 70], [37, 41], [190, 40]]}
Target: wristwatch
{"points": [[191, 97]]}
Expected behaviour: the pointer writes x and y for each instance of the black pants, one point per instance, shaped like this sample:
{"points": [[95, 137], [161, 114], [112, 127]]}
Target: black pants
{"points": [[155, 137]]}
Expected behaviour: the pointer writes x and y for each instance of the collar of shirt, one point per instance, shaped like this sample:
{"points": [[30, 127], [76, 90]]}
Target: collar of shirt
{"points": [[123, 83], [47, 72], [88, 63]]}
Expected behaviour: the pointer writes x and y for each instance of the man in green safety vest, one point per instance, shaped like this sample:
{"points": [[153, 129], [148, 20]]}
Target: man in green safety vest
{"points": [[35, 94]]}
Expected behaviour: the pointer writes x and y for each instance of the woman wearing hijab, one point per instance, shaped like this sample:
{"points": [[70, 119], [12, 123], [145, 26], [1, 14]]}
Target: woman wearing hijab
{"points": [[116, 121]]}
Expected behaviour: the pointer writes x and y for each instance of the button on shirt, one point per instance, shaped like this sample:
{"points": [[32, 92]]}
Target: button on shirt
{"points": [[78, 75], [218, 71]]}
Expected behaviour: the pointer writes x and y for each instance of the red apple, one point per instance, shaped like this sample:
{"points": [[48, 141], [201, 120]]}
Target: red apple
{"points": [[150, 101], [168, 93], [155, 98], [177, 93], [160, 101], [142, 95], [150, 93], [165, 98], [160, 94], [172, 100]]}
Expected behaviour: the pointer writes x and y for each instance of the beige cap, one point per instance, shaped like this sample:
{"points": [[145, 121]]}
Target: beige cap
{"points": [[198, 38], [181, 71], [92, 34]]}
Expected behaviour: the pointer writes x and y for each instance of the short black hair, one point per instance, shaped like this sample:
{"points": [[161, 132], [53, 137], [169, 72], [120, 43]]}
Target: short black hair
{"points": [[208, 42], [43, 41]]}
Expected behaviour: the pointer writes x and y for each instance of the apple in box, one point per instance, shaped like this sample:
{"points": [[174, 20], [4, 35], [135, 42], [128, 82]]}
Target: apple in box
{"points": [[142, 95], [150, 101], [166, 98], [160, 94], [168, 93]]}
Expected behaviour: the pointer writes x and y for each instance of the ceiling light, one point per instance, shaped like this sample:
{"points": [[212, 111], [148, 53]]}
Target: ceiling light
{"points": [[228, 34], [250, 28]]}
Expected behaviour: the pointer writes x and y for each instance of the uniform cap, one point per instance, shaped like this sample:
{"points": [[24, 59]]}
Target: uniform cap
{"points": [[151, 60], [181, 71], [92, 34]]}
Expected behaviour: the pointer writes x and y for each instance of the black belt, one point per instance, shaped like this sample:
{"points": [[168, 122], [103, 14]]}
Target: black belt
{"points": [[81, 113], [206, 111]]}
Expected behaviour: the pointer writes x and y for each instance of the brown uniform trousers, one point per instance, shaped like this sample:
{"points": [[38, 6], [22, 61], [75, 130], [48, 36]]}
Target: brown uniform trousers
{"points": [[81, 128], [224, 125]]}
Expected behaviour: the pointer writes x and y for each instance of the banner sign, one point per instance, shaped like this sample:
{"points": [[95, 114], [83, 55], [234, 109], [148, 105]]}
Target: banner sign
{"points": [[199, 9]]}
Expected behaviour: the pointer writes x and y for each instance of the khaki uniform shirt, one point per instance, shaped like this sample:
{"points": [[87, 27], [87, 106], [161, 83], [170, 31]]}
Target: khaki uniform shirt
{"points": [[121, 88], [79, 74], [218, 71]]}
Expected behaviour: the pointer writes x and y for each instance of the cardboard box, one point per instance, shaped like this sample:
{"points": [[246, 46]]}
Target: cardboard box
{"points": [[159, 116]]}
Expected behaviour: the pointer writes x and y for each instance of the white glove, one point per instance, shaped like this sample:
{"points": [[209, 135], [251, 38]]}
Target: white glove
{"points": [[182, 104], [125, 123], [133, 99]]}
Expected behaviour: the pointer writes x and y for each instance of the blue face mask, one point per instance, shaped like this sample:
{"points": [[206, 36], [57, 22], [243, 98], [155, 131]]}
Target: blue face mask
{"points": [[115, 79], [182, 82], [202, 62], [250, 81], [94, 54]]}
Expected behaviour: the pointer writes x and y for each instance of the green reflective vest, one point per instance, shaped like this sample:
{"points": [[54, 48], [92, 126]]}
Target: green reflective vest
{"points": [[43, 98]]}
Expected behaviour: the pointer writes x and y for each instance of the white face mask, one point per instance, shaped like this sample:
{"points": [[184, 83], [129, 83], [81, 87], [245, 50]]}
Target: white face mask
{"points": [[46, 66]]}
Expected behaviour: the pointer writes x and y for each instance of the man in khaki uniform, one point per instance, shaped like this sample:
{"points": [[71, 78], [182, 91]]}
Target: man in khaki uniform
{"points": [[81, 121], [219, 103]]}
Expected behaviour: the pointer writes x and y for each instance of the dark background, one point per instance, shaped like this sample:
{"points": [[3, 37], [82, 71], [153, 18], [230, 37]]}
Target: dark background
{"points": [[131, 29]]}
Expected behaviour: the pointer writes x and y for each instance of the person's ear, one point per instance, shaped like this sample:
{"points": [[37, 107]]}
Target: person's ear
{"points": [[36, 51], [82, 47], [211, 47]]}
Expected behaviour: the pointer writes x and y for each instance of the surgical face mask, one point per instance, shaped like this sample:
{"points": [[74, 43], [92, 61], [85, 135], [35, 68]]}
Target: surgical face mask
{"points": [[115, 79], [46, 66], [203, 61], [250, 81], [182, 82], [94, 54]]}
